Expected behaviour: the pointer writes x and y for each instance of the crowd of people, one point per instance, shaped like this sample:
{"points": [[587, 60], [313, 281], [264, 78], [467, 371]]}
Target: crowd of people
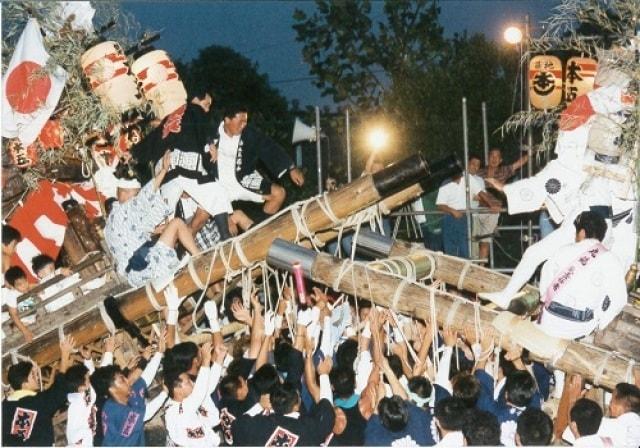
{"points": [[335, 371]]}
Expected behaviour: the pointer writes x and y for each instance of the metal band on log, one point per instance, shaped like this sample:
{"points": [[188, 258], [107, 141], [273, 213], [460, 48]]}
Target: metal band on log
{"points": [[599, 366], [253, 245]]}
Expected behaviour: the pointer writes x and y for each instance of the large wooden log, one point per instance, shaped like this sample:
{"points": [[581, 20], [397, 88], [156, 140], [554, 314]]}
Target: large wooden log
{"points": [[313, 216], [622, 335], [593, 363]]}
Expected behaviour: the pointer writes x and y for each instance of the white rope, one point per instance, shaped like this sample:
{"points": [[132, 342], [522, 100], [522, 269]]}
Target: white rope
{"points": [[629, 375], [61, 333], [601, 368], [432, 266], [413, 354], [344, 268], [397, 293], [194, 276], [106, 319], [452, 312], [463, 273], [152, 297]]}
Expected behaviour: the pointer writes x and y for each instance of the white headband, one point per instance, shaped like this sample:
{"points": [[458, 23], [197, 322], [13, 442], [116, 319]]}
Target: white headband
{"points": [[128, 183]]}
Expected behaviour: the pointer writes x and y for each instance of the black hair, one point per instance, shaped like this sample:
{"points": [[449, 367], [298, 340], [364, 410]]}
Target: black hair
{"points": [[629, 395], [519, 388], [396, 364], [534, 428], [347, 353], [592, 223], [228, 301], [467, 388], [343, 380], [41, 261], [481, 428], [459, 363], [18, 374], [125, 171], [13, 274], [450, 413], [265, 378], [475, 155], [172, 380], [10, 234], [200, 92], [394, 413], [103, 378], [420, 386], [180, 357], [281, 353], [231, 109], [229, 386], [587, 415], [108, 205], [75, 377], [283, 397]]}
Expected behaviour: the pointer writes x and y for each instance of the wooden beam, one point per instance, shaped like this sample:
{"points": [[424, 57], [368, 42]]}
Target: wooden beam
{"points": [[312, 216], [594, 364]]}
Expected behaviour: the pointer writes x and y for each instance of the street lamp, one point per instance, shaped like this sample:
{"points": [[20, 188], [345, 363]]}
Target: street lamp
{"points": [[513, 35], [378, 138]]}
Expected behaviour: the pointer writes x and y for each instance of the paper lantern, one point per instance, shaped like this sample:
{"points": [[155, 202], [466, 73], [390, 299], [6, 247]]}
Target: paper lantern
{"points": [[545, 81], [159, 82], [51, 135], [578, 78], [22, 157], [105, 66]]}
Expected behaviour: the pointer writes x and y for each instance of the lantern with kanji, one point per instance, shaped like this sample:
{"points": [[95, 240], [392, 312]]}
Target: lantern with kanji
{"points": [[20, 156], [105, 66], [159, 82], [579, 76], [545, 81]]}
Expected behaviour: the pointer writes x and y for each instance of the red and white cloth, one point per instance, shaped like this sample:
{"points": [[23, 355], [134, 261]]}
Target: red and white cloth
{"points": [[42, 221], [29, 93]]}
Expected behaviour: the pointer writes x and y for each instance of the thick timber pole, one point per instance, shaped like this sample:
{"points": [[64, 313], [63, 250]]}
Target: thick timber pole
{"points": [[599, 366], [622, 335], [313, 216]]}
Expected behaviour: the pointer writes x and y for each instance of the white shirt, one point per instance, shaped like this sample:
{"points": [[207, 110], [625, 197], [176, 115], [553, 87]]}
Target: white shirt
{"points": [[191, 422], [227, 153], [81, 418], [623, 430], [451, 439], [453, 194], [9, 298], [594, 441], [590, 286]]}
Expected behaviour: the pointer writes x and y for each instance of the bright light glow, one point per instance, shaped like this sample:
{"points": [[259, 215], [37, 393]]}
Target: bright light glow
{"points": [[378, 138], [513, 35]]}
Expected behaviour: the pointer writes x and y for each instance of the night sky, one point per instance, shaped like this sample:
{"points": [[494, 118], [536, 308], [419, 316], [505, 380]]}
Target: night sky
{"points": [[262, 31]]}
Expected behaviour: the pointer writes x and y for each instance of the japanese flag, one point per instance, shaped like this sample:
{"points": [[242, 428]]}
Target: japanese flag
{"points": [[29, 93]]}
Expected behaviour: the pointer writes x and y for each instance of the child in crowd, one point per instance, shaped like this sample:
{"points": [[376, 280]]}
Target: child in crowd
{"points": [[16, 284]]}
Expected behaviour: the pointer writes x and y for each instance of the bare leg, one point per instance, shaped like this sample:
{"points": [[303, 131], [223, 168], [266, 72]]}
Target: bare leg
{"points": [[198, 220], [240, 219], [274, 200], [177, 230], [483, 252]]}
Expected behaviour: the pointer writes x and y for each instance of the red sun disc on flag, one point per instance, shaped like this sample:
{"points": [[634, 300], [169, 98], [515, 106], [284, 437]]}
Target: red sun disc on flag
{"points": [[27, 87]]}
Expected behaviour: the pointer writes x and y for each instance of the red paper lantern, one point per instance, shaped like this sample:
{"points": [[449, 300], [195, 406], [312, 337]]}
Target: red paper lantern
{"points": [[51, 136]]}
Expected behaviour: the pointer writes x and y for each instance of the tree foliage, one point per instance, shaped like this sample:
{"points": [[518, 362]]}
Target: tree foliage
{"points": [[402, 67], [356, 59], [235, 79]]}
